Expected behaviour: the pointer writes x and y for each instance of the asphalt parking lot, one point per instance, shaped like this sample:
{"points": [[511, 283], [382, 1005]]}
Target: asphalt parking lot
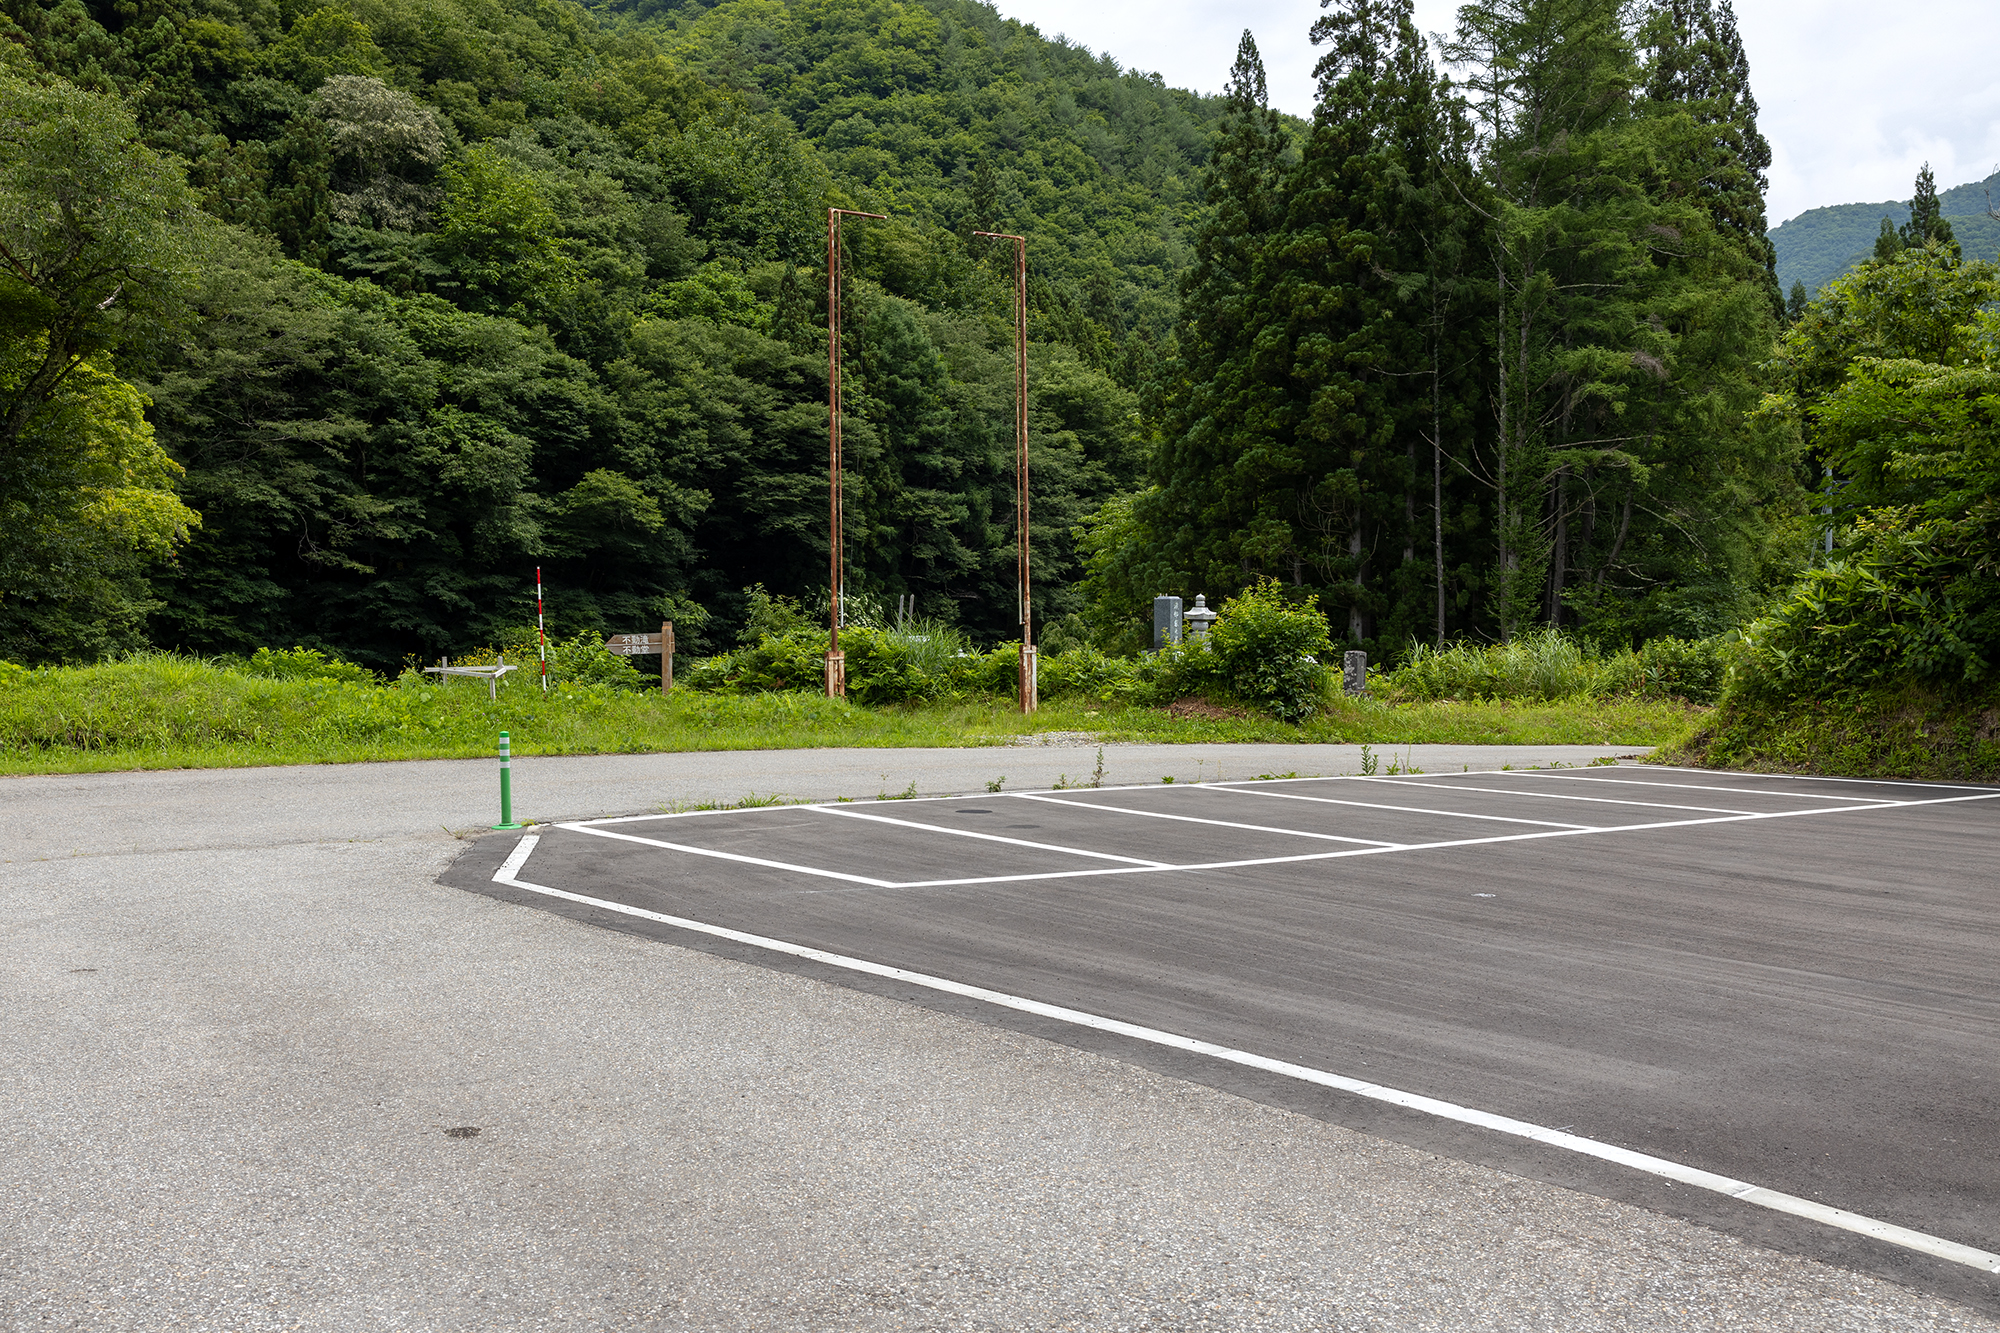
{"points": [[249, 1033], [1788, 984]]}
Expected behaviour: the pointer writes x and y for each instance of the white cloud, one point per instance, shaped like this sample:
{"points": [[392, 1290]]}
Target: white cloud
{"points": [[1856, 95]]}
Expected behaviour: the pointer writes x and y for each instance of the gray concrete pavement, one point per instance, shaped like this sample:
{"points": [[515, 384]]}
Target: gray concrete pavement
{"points": [[231, 1065], [130, 812]]}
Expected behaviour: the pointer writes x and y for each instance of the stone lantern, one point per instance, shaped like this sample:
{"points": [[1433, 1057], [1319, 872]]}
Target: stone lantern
{"points": [[1199, 619]]}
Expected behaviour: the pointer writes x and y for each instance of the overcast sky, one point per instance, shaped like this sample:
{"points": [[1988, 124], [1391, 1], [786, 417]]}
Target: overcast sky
{"points": [[1856, 94]]}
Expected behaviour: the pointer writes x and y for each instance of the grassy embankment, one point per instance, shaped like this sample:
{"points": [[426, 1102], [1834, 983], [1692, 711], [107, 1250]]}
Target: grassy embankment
{"points": [[1913, 733], [158, 711]]}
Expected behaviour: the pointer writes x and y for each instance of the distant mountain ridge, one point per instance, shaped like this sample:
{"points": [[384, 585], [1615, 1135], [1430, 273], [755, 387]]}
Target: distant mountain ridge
{"points": [[1822, 243]]}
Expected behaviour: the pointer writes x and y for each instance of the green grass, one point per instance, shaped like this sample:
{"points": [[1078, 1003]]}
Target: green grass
{"points": [[1915, 733], [161, 711]]}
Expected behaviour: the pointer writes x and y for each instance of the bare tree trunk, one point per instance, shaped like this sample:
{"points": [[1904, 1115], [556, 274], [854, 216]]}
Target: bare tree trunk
{"points": [[1354, 624], [1618, 543], [1437, 490], [1559, 556]]}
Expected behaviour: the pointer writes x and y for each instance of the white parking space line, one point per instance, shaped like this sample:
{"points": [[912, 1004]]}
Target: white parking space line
{"points": [[1689, 786], [1371, 805], [728, 856], [1251, 862], [1191, 819], [1558, 796], [1816, 777], [1679, 1172], [846, 813]]}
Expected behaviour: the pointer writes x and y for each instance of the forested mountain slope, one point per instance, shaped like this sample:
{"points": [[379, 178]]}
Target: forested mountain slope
{"points": [[1822, 243], [424, 294], [494, 284]]}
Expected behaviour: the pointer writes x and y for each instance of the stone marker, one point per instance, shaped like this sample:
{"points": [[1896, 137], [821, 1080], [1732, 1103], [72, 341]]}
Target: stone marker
{"points": [[1354, 672], [1166, 622]]}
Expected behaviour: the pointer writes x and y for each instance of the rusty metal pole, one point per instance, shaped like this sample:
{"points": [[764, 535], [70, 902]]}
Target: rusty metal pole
{"points": [[1029, 700], [836, 663]]}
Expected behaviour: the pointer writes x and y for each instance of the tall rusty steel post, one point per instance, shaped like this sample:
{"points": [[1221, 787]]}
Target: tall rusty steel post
{"points": [[836, 663], [1028, 683]]}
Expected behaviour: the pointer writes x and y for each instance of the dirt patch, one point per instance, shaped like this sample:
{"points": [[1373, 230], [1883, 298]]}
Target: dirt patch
{"points": [[1192, 708]]}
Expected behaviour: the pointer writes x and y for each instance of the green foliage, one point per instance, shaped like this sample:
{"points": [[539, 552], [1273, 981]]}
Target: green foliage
{"points": [[767, 614], [88, 504], [1549, 665], [1893, 731], [1259, 652], [302, 664], [1266, 648], [540, 302], [158, 710], [497, 229], [1894, 372]]}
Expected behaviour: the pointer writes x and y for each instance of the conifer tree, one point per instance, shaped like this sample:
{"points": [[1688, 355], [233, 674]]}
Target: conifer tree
{"points": [[1927, 224], [1697, 63], [1373, 309], [1212, 418], [1795, 303], [1888, 241], [1318, 355], [1554, 80]]}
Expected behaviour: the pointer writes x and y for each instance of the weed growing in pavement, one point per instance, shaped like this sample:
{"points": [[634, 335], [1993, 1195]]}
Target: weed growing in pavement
{"points": [[908, 793], [997, 783], [1169, 780], [751, 802], [1368, 762], [1097, 776]]}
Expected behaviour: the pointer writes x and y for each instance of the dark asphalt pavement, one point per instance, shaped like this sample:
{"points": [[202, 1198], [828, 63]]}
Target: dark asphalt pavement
{"points": [[1806, 1001]]}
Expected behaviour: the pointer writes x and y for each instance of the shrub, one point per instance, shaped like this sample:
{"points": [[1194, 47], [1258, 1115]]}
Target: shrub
{"points": [[1906, 605], [1541, 666], [882, 667], [1087, 673], [302, 664], [1548, 665], [768, 613], [1264, 651]]}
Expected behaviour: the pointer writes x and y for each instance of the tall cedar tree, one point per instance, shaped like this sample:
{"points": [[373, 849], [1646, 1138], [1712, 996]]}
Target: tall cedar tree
{"points": [[1308, 443], [1194, 515], [1928, 224], [1633, 300], [1553, 80], [1697, 62], [1433, 136]]}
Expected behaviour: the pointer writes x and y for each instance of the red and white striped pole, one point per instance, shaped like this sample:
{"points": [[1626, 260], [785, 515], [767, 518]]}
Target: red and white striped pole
{"points": [[541, 633]]}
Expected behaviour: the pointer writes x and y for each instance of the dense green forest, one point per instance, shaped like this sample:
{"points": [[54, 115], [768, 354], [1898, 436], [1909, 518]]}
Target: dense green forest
{"points": [[329, 325], [453, 290], [1820, 244], [1466, 357]]}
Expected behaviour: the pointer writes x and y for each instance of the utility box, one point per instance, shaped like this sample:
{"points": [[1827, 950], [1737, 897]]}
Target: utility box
{"points": [[1166, 622]]}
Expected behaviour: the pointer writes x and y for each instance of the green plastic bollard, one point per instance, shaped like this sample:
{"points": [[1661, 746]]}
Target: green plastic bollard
{"points": [[506, 785]]}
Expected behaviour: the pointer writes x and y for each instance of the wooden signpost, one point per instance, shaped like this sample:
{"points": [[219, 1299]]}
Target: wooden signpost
{"points": [[645, 645]]}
